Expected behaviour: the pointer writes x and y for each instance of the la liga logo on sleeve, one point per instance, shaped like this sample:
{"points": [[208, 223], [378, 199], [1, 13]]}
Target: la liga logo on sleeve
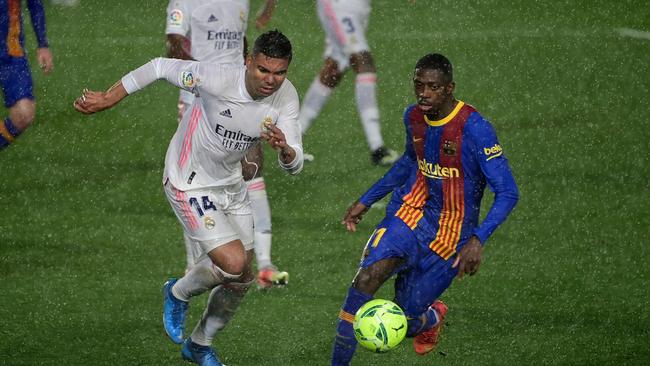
{"points": [[188, 80], [176, 17]]}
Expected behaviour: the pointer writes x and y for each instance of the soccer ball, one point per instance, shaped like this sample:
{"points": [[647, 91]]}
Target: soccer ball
{"points": [[379, 325]]}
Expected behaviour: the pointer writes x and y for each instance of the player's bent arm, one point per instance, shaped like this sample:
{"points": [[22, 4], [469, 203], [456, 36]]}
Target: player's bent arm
{"points": [[291, 159], [498, 175], [37, 15], [506, 196], [395, 177]]}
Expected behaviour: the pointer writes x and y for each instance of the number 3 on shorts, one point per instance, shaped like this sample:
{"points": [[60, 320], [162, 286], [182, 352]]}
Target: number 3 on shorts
{"points": [[350, 25]]}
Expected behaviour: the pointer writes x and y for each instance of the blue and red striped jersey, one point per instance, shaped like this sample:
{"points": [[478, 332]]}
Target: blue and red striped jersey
{"points": [[439, 181], [12, 38]]}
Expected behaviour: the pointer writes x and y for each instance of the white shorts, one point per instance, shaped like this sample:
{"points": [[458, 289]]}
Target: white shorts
{"points": [[345, 23], [212, 217]]}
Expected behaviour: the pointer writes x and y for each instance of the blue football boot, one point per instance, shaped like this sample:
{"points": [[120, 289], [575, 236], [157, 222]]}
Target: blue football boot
{"points": [[201, 355], [174, 311]]}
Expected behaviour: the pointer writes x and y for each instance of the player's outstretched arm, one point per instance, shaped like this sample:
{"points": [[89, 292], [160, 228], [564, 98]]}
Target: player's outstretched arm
{"points": [[354, 215], [93, 101]]}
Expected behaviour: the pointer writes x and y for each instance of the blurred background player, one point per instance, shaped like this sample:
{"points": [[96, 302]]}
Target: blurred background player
{"points": [[431, 231], [345, 24], [215, 31], [15, 75]]}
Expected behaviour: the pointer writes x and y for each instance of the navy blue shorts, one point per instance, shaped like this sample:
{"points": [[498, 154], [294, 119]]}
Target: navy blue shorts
{"points": [[423, 276], [16, 80]]}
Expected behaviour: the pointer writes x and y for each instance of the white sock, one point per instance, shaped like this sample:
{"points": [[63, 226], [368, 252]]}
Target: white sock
{"points": [[222, 304], [202, 277], [261, 220], [366, 96], [316, 97]]}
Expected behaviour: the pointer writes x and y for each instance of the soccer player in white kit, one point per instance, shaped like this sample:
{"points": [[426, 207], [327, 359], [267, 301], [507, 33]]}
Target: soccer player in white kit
{"points": [[345, 23], [215, 31], [233, 110]]}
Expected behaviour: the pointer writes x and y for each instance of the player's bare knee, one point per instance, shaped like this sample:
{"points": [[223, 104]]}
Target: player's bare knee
{"points": [[366, 281], [330, 74], [226, 275], [362, 62], [235, 268], [22, 113]]}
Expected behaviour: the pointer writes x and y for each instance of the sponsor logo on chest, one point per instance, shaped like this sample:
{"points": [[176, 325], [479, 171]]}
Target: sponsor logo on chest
{"points": [[436, 171], [234, 140]]}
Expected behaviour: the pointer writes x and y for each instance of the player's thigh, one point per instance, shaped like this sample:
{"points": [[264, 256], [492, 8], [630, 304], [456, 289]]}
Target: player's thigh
{"points": [[230, 257], [391, 238], [419, 286], [238, 211], [16, 81], [389, 250]]}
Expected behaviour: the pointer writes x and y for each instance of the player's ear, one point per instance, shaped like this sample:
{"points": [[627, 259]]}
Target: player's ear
{"points": [[249, 61], [450, 87]]}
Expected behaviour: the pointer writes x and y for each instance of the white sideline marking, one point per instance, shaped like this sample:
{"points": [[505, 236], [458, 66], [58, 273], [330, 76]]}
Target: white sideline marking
{"points": [[628, 32]]}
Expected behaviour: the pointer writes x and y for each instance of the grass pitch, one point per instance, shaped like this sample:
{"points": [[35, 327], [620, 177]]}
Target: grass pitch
{"points": [[87, 237]]}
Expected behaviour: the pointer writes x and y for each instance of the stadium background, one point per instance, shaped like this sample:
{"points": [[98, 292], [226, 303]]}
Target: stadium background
{"points": [[87, 238]]}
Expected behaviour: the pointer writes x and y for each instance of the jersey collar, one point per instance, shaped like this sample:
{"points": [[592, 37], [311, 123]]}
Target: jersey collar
{"points": [[450, 116]]}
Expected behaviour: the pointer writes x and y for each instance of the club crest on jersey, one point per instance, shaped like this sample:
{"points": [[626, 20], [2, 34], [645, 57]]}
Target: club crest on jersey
{"points": [[242, 16], [208, 222], [188, 80], [449, 148], [176, 17], [268, 121]]}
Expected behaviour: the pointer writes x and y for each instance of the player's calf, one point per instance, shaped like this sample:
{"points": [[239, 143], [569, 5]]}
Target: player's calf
{"points": [[8, 133]]}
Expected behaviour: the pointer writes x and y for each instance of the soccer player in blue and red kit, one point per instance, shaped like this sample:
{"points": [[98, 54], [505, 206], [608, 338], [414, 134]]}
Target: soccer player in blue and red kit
{"points": [[15, 77], [431, 231]]}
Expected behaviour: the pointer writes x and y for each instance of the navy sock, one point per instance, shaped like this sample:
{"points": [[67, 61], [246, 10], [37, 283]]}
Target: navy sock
{"points": [[345, 344], [421, 323], [7, 133], [9, 124]]}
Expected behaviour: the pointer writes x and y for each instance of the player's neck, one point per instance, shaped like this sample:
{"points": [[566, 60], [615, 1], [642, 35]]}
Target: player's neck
{"points": [[444, 111]]}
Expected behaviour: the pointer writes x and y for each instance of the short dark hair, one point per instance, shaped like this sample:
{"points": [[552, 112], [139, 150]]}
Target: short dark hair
{"points": [[436, 61], [273, 44]]}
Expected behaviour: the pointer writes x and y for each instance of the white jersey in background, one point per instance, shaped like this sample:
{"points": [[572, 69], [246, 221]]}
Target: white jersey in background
{"points": [[215, 28], [223, 121], [345, 23]]}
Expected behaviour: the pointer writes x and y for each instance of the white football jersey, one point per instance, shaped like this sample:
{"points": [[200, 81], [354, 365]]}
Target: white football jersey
{"points": [[215, 28], [223, 122]]}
